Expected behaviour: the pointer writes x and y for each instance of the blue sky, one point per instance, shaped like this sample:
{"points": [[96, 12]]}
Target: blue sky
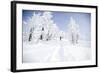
{"points": [[62, 20]]}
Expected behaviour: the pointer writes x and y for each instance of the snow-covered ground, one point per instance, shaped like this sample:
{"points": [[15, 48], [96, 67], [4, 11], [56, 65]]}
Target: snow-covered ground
{"points": [[55, 51]]}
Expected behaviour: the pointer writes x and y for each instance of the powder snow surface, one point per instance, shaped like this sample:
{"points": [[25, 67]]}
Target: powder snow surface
{"points": [[55, 51]]}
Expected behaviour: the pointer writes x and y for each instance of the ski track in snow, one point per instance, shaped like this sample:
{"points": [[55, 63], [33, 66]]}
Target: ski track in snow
{"points": [[55, 51]]}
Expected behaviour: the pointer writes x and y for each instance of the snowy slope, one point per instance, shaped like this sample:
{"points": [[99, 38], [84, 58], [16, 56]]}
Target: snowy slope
{"points": [[54, 51]]}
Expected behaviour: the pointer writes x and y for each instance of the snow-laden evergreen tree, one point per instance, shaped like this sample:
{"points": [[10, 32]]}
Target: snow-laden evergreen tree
{"points": [[35, 27], [73, 31], [47, 25], [50, 29], [40, 26]]}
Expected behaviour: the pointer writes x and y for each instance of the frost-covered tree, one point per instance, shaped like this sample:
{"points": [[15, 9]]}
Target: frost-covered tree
{"points": [[47, 25], [73, 31], [35, 27], [40, 26]]}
